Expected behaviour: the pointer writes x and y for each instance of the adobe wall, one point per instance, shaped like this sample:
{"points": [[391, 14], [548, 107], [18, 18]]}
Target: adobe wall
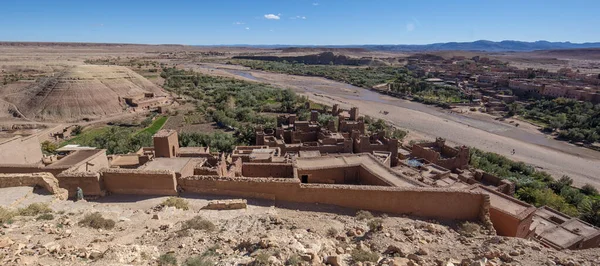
{"points": [[422, 202], [280, 170], [139, 182], [21, 151], [90, 183], [21, 168], [45, 180]]}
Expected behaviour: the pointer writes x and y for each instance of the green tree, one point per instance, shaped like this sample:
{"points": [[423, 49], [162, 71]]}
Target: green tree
{"points": [[49, 147]]}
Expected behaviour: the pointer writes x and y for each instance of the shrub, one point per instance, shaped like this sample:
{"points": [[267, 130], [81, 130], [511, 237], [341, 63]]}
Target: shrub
{"points": [[167, 259], [468, 229], [332, 232], [363, 215], [34, 209], [178, 203], [96, 221], [262, 258], [198, 223], [375, 225], [45, 216], [359, 255], [589, 190], [293, 260], [199, 261], [6, 215]]}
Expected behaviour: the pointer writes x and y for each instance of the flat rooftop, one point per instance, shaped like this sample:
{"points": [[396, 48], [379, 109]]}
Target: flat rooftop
{"points": [[171, 164], [504, 203], [125, 160], [192, 150], [365, 160], [164, 133], [75, 158]]}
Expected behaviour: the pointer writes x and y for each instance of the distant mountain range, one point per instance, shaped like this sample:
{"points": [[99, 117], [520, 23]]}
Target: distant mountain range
{"points": [[481, 45]]}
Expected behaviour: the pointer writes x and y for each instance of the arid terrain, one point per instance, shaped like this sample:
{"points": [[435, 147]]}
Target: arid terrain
{"points": [[52, 86], [264, 233], [480, 131]]}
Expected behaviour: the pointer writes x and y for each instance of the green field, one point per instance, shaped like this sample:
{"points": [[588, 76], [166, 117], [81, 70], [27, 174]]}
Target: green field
{"points": [[156, 125], [86, 136]]}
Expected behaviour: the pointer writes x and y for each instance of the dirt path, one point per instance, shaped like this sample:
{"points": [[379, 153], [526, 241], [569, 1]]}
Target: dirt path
{"points": [[556, 157]]}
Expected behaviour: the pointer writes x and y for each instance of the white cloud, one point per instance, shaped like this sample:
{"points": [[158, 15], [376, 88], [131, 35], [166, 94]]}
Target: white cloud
{"points": [[315, 4], [410, 27], [247, 28], [272, 16], [298, 17], [239, 23]]}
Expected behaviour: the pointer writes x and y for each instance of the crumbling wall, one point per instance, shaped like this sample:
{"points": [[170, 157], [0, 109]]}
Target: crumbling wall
{"points": [[21, 151], [422, 202], [45, 180], [90, 183], [139, 182], [280, 170]]}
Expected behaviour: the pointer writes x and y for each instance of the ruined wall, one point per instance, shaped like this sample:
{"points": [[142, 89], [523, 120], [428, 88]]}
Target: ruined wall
{"points": [[280, 170], [139, 182], [21, 151], [90, 183], [420, 151], [422, 202], [459, 161], [45, 180]]}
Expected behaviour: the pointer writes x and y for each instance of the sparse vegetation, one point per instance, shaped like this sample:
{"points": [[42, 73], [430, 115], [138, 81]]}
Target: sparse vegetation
{"points": [[261, 259], [6, 215], [199, 261], [96, 221], [469, 229], [293, 260], [167, 259], [45, 216], [198, 223], [363, 215], [178, 203], [332, 232], [359, 255], [34, 209], [375, 225]]}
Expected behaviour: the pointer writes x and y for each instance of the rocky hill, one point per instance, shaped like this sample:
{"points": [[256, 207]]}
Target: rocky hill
{"points": [[142, 231], [79, 92]]}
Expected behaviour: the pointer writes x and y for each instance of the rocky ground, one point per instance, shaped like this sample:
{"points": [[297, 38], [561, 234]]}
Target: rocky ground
{"points": [[264, 233]]}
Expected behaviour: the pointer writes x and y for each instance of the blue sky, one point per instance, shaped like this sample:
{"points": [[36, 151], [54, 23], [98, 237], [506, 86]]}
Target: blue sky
{"points": [[318, 22]]}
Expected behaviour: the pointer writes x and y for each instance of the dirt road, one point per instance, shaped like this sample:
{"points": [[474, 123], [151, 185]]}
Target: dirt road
{"points": [[556, 157]]}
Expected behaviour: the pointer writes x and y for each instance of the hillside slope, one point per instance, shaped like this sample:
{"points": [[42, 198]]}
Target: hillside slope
{"points": [[79, 92]]}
